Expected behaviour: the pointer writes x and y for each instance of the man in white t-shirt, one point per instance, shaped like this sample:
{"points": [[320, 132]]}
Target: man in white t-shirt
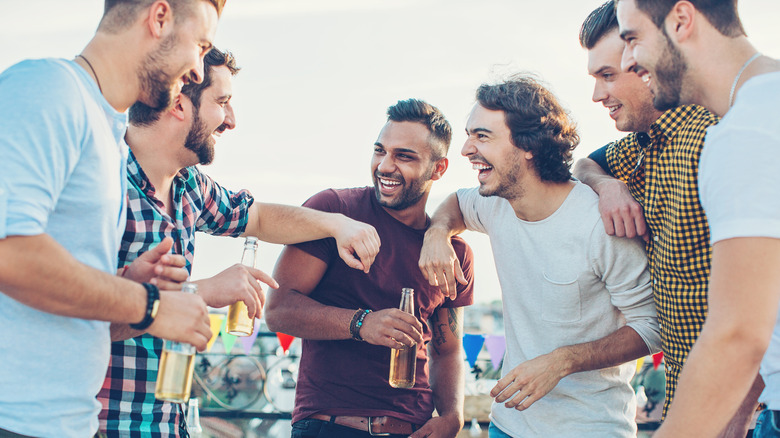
{"points": [[696, 51], [577, 302]]}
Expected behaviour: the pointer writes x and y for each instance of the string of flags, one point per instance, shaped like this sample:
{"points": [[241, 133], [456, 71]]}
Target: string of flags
{"points": [[218, 330]]}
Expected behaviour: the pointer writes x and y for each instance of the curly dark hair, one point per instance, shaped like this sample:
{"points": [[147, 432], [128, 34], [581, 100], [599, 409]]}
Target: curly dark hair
{"points": [[537, 122]]}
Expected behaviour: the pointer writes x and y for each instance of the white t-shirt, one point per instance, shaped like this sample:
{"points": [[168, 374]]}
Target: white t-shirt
{"points": [[564, 281], [62, 173], [739, 189]]}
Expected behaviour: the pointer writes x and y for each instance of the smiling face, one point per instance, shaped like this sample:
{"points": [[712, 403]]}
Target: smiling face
{"points": [[178, 59], [623, 93], [489, 148], [402, 166], [650, 53], [212, 117]]}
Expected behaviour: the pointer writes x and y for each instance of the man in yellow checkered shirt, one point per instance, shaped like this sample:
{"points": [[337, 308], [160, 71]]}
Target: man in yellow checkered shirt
{"points": [[647, 183]]}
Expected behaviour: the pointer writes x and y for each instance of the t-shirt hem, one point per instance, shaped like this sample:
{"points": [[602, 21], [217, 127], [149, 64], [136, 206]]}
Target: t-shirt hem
{"points": [[744, 228]]}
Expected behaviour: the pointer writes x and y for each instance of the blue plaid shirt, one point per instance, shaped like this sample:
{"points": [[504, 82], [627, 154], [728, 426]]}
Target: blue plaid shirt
{"points": [[127, 396]]}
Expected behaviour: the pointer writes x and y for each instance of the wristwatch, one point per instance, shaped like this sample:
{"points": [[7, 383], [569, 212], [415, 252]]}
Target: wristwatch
{"points": [[152, 305]]}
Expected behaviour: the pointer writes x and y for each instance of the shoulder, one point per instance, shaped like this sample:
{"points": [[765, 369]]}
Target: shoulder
{"points": [[339, 200], [47, 78], [690, 120]]}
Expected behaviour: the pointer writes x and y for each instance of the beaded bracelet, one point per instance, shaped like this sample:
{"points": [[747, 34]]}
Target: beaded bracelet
{"points": [[357, 323]]}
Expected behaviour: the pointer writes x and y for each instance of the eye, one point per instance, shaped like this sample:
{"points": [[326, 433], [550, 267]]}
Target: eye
{"points": [[378, 150]]}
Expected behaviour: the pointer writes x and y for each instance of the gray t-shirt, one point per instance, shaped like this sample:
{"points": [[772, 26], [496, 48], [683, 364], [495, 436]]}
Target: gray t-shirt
{"points": [[564, 281]]}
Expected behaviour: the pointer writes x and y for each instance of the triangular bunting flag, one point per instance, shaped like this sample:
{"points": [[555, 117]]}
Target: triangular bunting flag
{"points": [[248, 341], [657, 358], [285, 341], [496, 346], [472, 344], [228, 340], [216, 320]]}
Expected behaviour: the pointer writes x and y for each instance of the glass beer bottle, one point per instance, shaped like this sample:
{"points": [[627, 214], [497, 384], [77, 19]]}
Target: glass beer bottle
{"points": [[403, 361], [177, 362], [239, 323], [193, 419]]}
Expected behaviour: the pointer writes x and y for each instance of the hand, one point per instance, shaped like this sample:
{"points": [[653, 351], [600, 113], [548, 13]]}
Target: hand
{"points": [[530, 381], [439, 263], [183, 318], [237, 283], [158, 267], [357, 238], [446, 426], [391, 328], [621, 214]]}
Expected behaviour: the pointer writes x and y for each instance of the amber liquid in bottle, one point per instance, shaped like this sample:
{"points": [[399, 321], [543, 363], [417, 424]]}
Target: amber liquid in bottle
{"points": [[403, 361]]}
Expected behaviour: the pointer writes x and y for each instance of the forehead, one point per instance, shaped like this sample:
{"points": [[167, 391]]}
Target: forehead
{"points": [[221, 81], [405, 135], [482, 117], [606, 53], [201, 21], [629, 16]]}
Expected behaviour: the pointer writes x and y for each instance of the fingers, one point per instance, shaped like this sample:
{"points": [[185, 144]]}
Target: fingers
{"points": [[171, 273], [641, 225], [391, 328], [263, 277], [361, 247], [350, 259], [162, 248]]}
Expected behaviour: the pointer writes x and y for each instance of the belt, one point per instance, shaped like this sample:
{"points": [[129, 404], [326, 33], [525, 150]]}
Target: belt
{"points": [[375, 426]]}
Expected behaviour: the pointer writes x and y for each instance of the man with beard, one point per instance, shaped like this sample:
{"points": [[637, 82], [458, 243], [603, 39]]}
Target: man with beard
{"points": [[62, 200], [696, 51], [170, 198], [349, 320], [577, 302], [636, 177]]}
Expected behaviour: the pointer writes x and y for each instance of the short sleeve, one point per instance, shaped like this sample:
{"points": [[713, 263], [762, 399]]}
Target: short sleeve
{"points": [[323, 249], [738, 183], [600, 157], [43, 126], [622, 157], [471, 206], [224, 213], [465, 295]]}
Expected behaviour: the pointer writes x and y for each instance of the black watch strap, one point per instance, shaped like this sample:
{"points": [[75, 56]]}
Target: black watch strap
{"points": [[152, 302]]}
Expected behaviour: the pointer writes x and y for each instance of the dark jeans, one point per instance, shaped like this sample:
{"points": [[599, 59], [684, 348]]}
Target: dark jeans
{"points": [[324, 429], [767, 425]]}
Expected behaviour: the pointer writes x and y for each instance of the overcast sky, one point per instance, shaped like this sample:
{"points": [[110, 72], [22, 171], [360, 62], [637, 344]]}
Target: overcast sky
{"points": [[318, 76]]}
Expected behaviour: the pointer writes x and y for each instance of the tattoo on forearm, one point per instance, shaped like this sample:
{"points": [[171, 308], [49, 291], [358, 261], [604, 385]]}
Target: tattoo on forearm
{"points": [[454, 318], [439, 328]]}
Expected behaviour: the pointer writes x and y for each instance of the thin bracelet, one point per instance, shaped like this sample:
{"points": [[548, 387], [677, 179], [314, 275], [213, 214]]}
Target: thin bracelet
{"points": [[357, 323]]}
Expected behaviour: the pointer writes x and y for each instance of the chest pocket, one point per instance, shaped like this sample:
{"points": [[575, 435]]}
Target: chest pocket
{"points": [[560, 298]]}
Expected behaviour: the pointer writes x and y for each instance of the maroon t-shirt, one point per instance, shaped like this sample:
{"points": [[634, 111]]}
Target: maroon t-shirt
{"points": [[348, 377]]}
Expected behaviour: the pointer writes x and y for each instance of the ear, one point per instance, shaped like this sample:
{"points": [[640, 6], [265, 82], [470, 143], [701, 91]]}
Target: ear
{"points": [[680, 21], [177, 110], [439, 168], [159, 18]]}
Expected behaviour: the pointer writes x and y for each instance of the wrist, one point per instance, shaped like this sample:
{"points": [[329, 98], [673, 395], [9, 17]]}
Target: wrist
{"points": [[152, 305], [357, 323], [606, 183]]}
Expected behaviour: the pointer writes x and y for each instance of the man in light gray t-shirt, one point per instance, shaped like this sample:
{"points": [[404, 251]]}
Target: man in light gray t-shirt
{"points": [[577, 303]]}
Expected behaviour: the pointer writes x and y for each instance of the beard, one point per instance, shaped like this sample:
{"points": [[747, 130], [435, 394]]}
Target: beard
{"points": [[409, 196], [507, 186], [156, 84], [669, 72], [198, 140]]}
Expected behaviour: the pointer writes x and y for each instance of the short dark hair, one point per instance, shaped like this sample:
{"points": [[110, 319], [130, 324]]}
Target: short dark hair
{"points": [[599, 23], [119, 14], [722, 14], [141, 114], [415, 110], [537, 123]]}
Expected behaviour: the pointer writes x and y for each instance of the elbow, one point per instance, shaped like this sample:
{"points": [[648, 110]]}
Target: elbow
{"points": [[273, 315], [745, 341]]}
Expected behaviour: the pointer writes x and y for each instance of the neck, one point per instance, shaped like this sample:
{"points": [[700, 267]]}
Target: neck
{"points": [[413, 216], [540, 200], [155, 154], [117, 69]]}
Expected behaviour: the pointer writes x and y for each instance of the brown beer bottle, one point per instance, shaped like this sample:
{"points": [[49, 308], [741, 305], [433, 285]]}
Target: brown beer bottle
{"points": [[239, 323], [403, 361]]}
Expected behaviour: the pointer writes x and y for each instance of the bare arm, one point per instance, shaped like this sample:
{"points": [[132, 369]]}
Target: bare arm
{"points": [[537, 377], [286, 224], [61, 285], [447, 374], [438, 262], [743, 302], [621, 214], [290, 310]]}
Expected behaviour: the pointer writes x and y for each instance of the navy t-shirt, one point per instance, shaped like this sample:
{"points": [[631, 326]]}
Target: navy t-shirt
{"points": [[348, 377]]}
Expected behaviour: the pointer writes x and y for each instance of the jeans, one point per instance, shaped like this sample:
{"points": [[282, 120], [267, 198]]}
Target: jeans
{"points": [[767, 425], [495, 432], [309, 428]]}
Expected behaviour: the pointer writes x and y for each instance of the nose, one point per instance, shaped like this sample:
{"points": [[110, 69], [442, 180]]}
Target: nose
{"points": [[468, 148], [230, 117], [627, 61], [386, 164], [599, 91], [196, 74]]}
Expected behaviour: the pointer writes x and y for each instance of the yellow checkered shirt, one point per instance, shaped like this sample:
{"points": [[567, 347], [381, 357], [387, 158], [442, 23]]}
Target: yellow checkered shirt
{"points": [[661, 170]]}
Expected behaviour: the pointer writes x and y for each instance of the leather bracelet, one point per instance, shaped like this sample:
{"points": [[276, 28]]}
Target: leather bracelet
{"points": [[357, 323], [152, 304]]}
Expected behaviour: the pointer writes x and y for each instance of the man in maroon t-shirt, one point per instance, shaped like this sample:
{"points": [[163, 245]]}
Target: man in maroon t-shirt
{"points": [[343, 389]]}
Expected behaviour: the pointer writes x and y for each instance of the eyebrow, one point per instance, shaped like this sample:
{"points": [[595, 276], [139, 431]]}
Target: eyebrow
{"points": [[399, 150], [475, 130], [626, 33], [602, 69]]}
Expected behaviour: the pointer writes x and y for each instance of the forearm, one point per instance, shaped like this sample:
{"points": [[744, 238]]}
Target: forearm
{"points": [[123, 332], [447, 220], [591, 174], [286, 224], [59, 284], [447, 379], [296, 314], [621, 346]]}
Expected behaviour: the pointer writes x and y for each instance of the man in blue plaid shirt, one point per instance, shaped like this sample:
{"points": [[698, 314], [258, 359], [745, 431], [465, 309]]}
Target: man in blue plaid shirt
{"points": [[169, 199]]}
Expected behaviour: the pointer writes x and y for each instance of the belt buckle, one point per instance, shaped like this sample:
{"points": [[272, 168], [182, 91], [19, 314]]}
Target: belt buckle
{"points": [[371, 432]]}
